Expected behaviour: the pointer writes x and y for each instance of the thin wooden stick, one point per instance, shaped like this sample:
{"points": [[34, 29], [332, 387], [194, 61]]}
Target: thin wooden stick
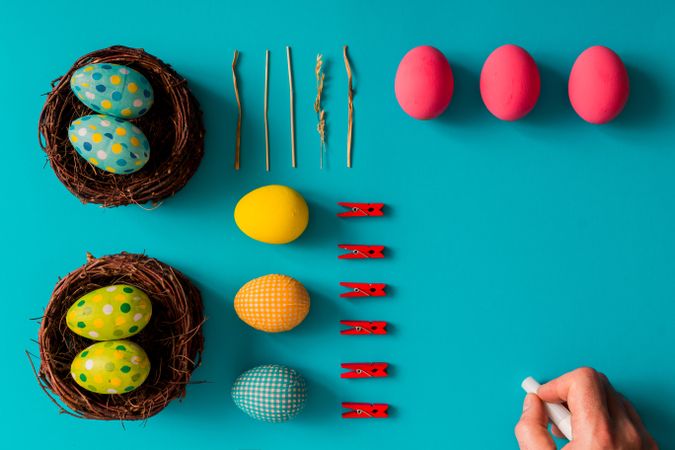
{"points": [[292, 102], [350, 107], [237, 149], [320, 112], [267, 128]]}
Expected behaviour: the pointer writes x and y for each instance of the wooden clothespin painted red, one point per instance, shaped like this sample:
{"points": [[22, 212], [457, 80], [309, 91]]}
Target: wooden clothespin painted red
{"points": [[362, 251], [359, 327], [364, 370], [364, 290], [362, 209], [365, 410]]}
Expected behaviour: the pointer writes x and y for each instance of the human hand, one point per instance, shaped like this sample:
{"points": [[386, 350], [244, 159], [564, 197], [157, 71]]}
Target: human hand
{"points": [[602, 419]]}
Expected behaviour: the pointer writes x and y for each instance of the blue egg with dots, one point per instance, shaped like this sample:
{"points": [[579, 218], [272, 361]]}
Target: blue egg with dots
{"points": [[113, 89], [109, 143]]}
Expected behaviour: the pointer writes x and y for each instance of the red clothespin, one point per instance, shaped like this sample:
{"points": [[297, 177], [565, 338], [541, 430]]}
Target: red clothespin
{"points": [[364, 290], [362, 251], [364, 370], [358, 327], [365, 410], [362, 209]]}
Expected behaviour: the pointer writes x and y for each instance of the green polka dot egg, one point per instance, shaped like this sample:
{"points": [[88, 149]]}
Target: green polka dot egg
{"points": [[271, 393], [111, 312], [113, 89], [111, 367], [109, 143]]}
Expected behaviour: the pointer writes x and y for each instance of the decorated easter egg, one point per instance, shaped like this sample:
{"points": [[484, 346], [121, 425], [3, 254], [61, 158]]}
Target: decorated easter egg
{"points": [[111, 367], [113, 89], [598, 85], [271, 393], [509, 82], [272, 303], [111, 312], [109, 143], [272, 214], [424, 83]]}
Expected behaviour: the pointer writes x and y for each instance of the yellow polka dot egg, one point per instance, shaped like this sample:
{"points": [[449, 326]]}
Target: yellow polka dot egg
{"points": [[111, 367], [113, 89], [272, 303], [111, 312], [109, 143]]}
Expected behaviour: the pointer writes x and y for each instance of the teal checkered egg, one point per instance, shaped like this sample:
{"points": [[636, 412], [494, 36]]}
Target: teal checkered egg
{"points": [[109, 143], [271, 393]]}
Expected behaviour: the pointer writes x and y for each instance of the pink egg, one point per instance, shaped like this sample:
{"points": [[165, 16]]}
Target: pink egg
{"points": [[424, 83], [509, 82], [598, 85]]}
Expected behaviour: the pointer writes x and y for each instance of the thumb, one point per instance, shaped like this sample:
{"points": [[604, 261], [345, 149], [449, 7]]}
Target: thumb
{"points": [[531, 430]]}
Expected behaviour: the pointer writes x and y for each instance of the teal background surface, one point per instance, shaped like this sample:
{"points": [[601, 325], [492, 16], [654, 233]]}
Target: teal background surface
{"points": [[516, 249]]}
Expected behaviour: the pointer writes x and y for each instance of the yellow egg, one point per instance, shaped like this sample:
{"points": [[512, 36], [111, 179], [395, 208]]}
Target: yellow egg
{"points": [[111, 367], [272, 214], [272, 303], [111, 312]]}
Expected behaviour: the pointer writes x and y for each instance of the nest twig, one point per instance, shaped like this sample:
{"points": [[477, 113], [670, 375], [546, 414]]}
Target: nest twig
{"points": [[173, 339], [173, 127]]}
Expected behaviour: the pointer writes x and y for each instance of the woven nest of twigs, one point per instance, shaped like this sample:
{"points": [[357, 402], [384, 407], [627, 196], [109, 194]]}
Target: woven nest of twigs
{"points": [[173, 339], [173, 127]]}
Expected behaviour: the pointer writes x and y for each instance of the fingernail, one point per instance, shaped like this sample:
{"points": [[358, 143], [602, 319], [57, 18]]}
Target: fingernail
{"points": [[527, 403]]}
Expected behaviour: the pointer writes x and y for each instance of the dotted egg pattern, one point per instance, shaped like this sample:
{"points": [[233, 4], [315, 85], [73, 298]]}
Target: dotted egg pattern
{"points": [[112, 312], [113, 89], [111, 367], [109, 143]]}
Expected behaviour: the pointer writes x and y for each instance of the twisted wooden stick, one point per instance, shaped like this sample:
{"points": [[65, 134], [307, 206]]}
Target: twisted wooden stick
{"points": [[350, 106], [237, 148]]}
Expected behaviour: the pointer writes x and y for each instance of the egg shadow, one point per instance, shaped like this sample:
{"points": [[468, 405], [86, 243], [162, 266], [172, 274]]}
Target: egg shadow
{"points": [[466, 108], [323, 404], [553, 106], [228, 351], [324, 227], [216, 177], [324, 316], [645, 105]]}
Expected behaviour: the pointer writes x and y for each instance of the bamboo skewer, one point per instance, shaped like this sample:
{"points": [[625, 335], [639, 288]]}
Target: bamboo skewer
{"points": [[267, 128], [350, 107], [291, 103], [237, 148]]}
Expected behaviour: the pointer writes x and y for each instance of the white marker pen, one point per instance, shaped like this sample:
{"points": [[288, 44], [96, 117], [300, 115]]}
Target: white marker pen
{"points": [[558, 414]]}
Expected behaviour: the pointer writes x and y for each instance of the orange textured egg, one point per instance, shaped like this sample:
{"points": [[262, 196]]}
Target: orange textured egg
{"points": [[272, 303]]}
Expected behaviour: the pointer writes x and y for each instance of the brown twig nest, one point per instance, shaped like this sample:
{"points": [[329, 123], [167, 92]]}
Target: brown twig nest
{"points": [[173, 339], [173, 126]]}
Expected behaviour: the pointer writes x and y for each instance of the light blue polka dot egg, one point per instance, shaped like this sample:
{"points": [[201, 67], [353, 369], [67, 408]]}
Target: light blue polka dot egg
{"points": [[271, 393], [109, 143], [113, 89]]}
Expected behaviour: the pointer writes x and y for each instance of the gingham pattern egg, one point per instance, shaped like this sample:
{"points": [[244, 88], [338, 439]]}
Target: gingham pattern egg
{"points": [[111, 367], [271, 393], [272, 303], [113, 89], [111, 312], [109, 143]]}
